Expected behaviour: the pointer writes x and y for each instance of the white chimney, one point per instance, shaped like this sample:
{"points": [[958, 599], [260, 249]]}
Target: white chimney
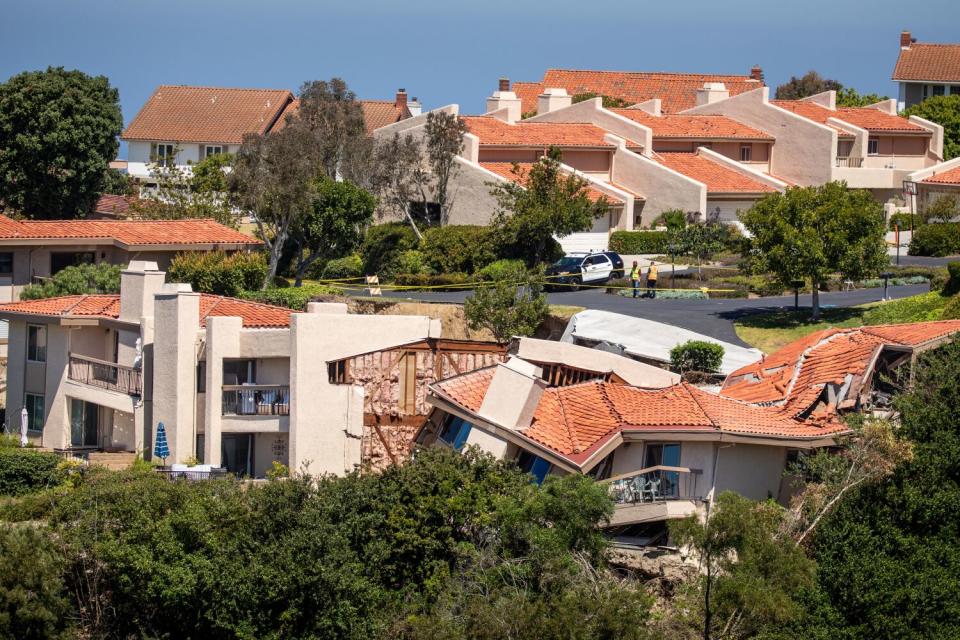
{"points": [[513, 394], [712, 92], [414, 107], [553, 99], [138, 283], [503, 98]]}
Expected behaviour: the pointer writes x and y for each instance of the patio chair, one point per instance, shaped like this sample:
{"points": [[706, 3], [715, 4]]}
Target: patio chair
{"points": [[652, 489]]}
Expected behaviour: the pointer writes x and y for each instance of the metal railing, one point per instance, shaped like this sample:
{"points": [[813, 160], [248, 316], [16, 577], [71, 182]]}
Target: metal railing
{"points": [[653, 484], [256, 400], [853, 162], [106, 375], [189, 474]]}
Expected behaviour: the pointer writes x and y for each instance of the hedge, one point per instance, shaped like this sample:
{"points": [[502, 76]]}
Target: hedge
{"points": [[26, 470], [512, 270], [339, 268], [295, 298], [937, 239], [637, 242], [430, 280], [382, 246], [458, 248], [219, 273], [952, 310], [952, 285]]}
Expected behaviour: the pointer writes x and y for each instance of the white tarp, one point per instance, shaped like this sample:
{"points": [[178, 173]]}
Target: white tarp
{"points": [[645, 339]]}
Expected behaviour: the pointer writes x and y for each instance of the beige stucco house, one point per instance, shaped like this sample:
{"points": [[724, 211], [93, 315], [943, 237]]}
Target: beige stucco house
{"points": [[236, 383]]}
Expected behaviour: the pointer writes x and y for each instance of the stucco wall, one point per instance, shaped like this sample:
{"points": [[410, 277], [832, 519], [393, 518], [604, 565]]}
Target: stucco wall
{"points": [[470, 191], [593, 112], [753, 471], [176, 317], [664, 189]]}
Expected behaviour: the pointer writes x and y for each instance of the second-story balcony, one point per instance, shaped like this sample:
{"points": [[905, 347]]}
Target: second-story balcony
{"points": [[106, 375], [851, 162], [256, 400], [656, 493]]}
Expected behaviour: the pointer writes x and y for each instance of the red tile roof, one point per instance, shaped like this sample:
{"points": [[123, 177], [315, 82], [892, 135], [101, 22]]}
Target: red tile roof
{"points": [[254, 314], [206, 114], [708, 127], [950, 176], [126, 232], [497, 133], [572, 421], [518, 172], [867, 118], [376, 114], [113, 205], [929, 62], [676, 91], [719, 178], [795, 375]]}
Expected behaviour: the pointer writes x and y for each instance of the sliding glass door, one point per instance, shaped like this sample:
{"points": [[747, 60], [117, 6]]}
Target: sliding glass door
{"points": [[84, 423]]}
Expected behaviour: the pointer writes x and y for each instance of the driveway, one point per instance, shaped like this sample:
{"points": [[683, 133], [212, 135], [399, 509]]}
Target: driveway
{"points": [[709, 317]]}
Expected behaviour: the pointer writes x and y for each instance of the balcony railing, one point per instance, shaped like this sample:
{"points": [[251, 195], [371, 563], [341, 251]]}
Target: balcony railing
{"points": [[106, 375], [654, 484], [853, 162], [190, 473], [256, 400]]}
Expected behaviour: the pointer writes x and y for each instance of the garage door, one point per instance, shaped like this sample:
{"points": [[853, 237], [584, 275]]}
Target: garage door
{"points": [[728, 208], [596, 239]]}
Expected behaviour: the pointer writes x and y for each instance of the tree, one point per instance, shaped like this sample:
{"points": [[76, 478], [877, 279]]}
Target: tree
{"points": [[444, 139], [696, 356], [273, 176], [334, 224], [77, 280], [33, 602], [117, 183], [544, 204], [332, 113], [58, 134], [809, 84], [181, 193], [749, 575], [945, 111], [398, 175], [698, 239], [507, 309], [944, 209], [849, 97], [609, 102], [810, 232], [218, 272]]}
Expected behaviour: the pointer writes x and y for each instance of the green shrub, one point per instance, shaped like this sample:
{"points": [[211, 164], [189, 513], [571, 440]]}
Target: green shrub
{"points": [[383, 245], [639, 242], [412, 261], [904, 220], [674, 220], [511, 270], [952, 285], [696, 356], [33, 601], [341, 268], [26, 470], [937, 239], [922, 308], [936, 275], [295, 298], [219, 273], [77, 280], [675, 294], [458, 248], [952, 309], [434, 280]]}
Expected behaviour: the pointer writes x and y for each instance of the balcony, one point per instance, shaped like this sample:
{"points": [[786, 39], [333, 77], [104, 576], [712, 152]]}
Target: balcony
{"points": [[850, 162], [105, 375], [256, 400], [656, 493]]}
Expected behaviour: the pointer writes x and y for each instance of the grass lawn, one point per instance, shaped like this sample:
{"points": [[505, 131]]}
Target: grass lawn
{"points": [[770, 331], [565, 311]]}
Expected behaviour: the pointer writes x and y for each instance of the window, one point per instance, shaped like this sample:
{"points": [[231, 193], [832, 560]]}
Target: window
{"points": [[337, 372], [163, 154], [455, 431], [60, 261], [873, 147], [202, 376], [667, 455], [211, 150], [239, 371], [408, 384], [36, 343], [746, 152], [34, 404], [534, 465], [6, 262], [938, 90]]}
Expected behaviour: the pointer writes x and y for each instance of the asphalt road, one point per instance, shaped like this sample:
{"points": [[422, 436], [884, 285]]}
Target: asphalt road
{"points": [[709, 317]]}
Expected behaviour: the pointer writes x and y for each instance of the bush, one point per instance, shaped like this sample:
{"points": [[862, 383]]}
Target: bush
{"points": [[937, 239], [77, 280], [904, 220], [458, 248], [696, 356], [511, 270], [639, 242], [412, 261], [431, 280], [952, 285], [219, 273], [952, 310], [673, 220], [922, 308], [383, 245], [33, 602], [295, 298], [26, 470], [506, 309], [342, 268]]}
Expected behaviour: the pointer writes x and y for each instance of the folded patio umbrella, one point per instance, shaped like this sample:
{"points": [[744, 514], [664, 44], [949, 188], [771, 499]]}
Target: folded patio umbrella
{"points": [[160, 449], [23, 427]]}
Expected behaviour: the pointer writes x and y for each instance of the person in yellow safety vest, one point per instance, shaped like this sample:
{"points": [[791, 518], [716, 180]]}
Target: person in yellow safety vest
{"points": [[652, 280], [635, 278]]}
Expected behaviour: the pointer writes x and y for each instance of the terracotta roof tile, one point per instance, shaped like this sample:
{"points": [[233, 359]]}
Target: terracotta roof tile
{"points": [[113, 205], [376, 114], [950, 176], [676, 91], [126, 232], [509, 170], [863, 117], [929, 62], [718, 178], [705, 127], [254, 314], [497, 133], [206, 114]]}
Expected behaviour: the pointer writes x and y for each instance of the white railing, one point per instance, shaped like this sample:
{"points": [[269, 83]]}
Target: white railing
{"points": [[853, 162], [654, 484]]}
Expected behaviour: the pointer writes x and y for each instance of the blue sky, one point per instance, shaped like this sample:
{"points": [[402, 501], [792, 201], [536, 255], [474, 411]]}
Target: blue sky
{"points": [[446, 52]]}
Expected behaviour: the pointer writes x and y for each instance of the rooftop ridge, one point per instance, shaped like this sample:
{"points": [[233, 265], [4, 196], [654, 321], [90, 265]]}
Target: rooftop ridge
{"points": [[690, 74], [202, 86]]}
